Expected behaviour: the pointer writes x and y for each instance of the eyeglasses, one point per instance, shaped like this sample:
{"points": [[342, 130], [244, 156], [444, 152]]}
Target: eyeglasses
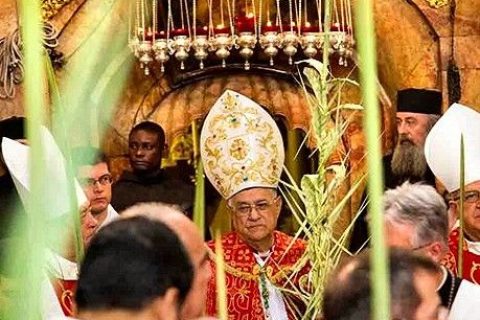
{"points": [[104, 180], [245, 209], [471, 196]]}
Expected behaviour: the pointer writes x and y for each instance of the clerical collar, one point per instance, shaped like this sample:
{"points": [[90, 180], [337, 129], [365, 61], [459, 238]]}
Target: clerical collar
{"points": [[264, 254], [60, 267], [473, 246], [444, 277], [449, 288], [262, 257]]}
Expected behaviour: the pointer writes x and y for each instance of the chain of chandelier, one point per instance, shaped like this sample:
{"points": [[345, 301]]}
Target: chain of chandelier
{"points": [[275, 32]]}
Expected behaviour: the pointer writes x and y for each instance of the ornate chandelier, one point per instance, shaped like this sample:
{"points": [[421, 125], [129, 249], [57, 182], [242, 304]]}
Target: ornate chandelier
{"points": [[160, 31]]}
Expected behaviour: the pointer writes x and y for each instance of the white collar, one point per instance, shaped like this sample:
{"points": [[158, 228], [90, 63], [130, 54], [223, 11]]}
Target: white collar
{"points": [[262, 257], [473, 246], [444, 277], [61, 268], [111, 216]]}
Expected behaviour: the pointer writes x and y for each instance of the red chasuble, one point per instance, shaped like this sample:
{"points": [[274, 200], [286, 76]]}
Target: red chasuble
{"points": [[243, 275], [65, 289], [471, 258]]}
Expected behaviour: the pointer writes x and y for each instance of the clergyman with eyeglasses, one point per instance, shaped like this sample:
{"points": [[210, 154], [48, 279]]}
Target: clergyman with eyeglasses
{"points": [[442, 151], [242, 152], [94, 176]]}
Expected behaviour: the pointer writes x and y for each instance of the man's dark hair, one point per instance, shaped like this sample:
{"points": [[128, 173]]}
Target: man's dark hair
{"points": [[88, 156], [130, 263], [348, 292], [150, 127]]}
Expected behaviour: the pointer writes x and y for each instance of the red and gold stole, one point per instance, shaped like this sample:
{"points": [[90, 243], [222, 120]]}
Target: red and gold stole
{"points": [[471, 259], [243, 274], [65, 290]]}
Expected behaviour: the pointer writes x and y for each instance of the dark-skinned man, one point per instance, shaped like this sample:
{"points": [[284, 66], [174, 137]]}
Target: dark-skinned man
{"points": [[147, 182]]}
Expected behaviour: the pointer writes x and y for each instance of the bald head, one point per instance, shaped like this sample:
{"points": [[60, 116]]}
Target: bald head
{"points": [[185, 229], [191, 238]]}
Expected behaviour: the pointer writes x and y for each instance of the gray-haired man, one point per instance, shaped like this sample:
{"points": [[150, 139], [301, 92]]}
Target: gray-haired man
{"points": [[416, 218]]}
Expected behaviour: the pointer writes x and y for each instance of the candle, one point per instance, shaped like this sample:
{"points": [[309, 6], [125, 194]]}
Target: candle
{"points": [[269, 27], [338, 27], [203, 31], [290, 27], [179, 32], [221, 29], [307, 27], [149, 35], [245, 23]]}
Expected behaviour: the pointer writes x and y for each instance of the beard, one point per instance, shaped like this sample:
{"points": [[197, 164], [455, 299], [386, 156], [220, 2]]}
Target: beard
{"points": [[408, 160]]}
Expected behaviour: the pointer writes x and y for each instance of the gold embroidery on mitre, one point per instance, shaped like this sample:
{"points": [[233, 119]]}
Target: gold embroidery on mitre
{"points": [[241, 145], [239, 149]]}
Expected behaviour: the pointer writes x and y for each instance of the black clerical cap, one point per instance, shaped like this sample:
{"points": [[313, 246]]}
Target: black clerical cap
{"points": [[419, 101], [12, 128]]}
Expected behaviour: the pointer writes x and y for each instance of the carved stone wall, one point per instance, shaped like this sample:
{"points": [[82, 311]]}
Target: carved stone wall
{"points": [[414, 46], [413, 41]]}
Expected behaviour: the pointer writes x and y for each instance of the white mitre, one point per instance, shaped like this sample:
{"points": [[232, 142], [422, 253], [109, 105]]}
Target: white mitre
{"points": [[241, 145], [16, 156], [442, 146]]}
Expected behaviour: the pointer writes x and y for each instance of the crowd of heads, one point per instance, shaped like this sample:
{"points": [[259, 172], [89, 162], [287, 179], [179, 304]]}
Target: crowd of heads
{"points": [[152, 261], [169, 270]]}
